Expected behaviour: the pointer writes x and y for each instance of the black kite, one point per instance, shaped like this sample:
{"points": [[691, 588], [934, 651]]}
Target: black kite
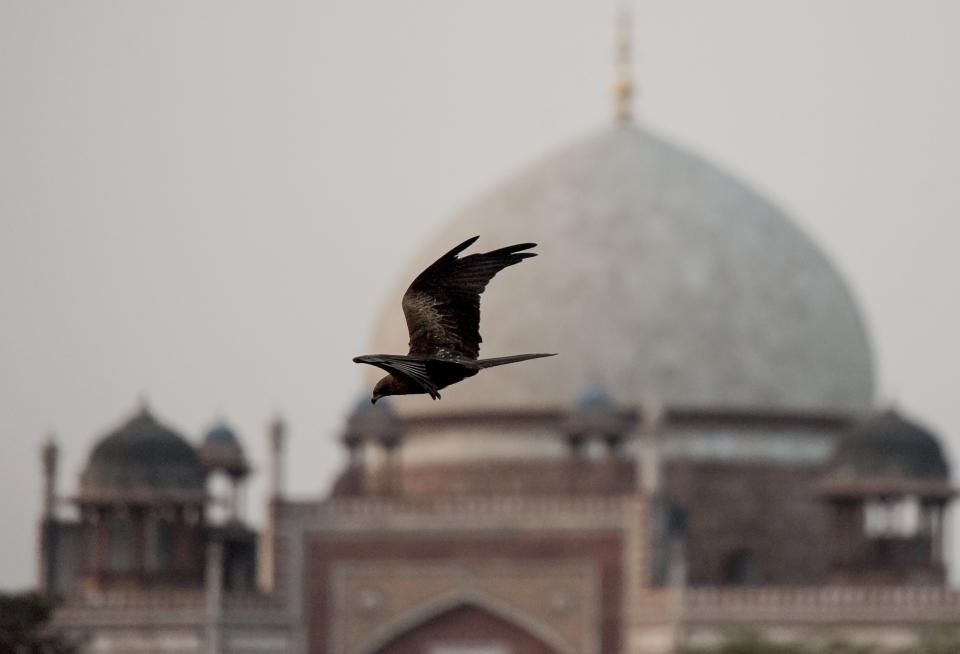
{"points": [[442, 308]]}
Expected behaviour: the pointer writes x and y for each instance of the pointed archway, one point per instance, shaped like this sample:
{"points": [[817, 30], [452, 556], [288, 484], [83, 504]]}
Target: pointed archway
{"points": [[465, 628]]}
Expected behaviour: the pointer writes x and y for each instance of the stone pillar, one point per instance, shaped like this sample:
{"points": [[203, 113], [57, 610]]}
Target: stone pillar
{"points": [[266, 563], [48, 527], [677, 586], [139, 517], [233, 510], [101, 541], [391, 468], [932, 516], [576, 462], [848, 537], [354, 480], [213, 594], [184, 544], [277, 442], [241, 500], [947, 544], [648, 459], [87, 520], [50, 456]]}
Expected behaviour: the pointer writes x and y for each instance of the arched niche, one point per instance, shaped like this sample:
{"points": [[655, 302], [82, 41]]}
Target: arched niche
{"points": [[467, 623]]}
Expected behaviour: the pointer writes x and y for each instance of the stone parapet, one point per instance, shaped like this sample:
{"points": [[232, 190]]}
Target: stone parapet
{"points": [[190, 604], [468, 512], [826, 604], [135, 599]]}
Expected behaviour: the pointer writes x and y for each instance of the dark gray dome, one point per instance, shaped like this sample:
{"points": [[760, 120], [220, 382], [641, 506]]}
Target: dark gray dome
{"points": [[143, 453], [888, 444]]}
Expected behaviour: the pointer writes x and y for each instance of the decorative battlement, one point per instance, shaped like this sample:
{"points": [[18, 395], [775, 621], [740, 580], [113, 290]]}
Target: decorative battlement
{"points": [[190, 605], [247, 601], [137, 599], [521, 511], [826, 604]]}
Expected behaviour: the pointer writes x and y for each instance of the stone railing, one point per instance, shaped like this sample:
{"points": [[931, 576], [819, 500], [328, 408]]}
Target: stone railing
{"points": [[471, 512], [131, 599], [825, 604], [166, 599], [251, 601], [129, 608], [172, 607], [472, 505]]}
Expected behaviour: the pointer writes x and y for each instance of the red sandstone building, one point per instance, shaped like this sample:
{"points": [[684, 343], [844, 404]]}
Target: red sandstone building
{"points": [[704, 456]]}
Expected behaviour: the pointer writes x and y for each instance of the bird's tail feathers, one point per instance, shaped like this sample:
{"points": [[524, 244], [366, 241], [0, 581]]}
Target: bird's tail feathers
{"points": [[500, 361]]}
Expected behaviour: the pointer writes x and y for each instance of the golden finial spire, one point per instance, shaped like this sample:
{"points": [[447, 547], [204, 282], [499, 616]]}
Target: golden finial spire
{"points": [[623, 82]]}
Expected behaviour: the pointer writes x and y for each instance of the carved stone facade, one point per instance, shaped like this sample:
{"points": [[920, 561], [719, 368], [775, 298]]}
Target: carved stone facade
{"points": [[658, 541], [750, 523], [378, 569]]}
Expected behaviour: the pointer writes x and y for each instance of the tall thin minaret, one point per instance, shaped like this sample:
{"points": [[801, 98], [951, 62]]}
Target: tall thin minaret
{"points": [[49, 455], [266, 566], [277, 438], [623, 77], [48, 529]]}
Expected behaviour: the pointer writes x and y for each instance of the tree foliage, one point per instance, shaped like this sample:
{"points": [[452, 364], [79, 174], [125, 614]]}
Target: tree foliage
{"points": [[937, 641], [23, 620]]}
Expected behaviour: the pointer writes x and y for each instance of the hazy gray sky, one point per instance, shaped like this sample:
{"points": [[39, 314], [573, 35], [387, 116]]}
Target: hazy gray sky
{"points": [[206, 203]]}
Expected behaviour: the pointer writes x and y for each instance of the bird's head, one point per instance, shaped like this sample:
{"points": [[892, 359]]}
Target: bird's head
{"points": [[382, 389]]}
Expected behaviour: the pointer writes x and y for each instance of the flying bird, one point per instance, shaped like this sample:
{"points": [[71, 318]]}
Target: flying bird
{"points": [[442, 309]]}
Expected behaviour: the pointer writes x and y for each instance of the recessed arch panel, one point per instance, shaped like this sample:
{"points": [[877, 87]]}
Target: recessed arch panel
{"points": [[466, 623]]}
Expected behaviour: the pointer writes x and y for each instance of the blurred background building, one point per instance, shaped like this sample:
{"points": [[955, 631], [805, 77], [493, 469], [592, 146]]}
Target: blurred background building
{"points": [[705, 456]]}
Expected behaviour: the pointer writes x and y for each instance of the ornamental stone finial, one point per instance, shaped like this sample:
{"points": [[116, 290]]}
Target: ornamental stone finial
{"points": [[623, 81]]}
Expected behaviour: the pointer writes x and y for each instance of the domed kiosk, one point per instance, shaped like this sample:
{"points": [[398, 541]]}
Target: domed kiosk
{"points": [[888, 486], [140, 564], [887, 445], [227, 469], [142, 504], [144, 514], [142, 454]]}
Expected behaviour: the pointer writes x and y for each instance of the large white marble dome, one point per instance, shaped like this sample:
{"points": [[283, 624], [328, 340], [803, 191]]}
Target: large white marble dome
{"points": [[660, 278]]}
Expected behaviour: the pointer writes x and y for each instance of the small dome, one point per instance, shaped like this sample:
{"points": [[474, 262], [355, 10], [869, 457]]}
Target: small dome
{"points": [[373, 422], [143, 454], [595, 414], [594, 397], [221, 434], [887, 444], [221, 450]]}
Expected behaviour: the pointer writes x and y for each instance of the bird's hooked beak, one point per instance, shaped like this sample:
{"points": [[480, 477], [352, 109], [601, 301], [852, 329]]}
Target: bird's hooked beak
{"points": [[374, 398]]}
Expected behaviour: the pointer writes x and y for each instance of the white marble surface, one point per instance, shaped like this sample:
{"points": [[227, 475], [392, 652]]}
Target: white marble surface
{"points": [[660, 278]]}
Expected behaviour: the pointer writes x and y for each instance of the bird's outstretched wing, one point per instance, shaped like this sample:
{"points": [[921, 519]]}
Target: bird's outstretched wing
{"points": [[405, 366], [442, 305]]}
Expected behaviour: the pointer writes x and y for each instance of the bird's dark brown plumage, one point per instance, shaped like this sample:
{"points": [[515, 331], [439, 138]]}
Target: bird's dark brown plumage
{"points": [[442, 309]]}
